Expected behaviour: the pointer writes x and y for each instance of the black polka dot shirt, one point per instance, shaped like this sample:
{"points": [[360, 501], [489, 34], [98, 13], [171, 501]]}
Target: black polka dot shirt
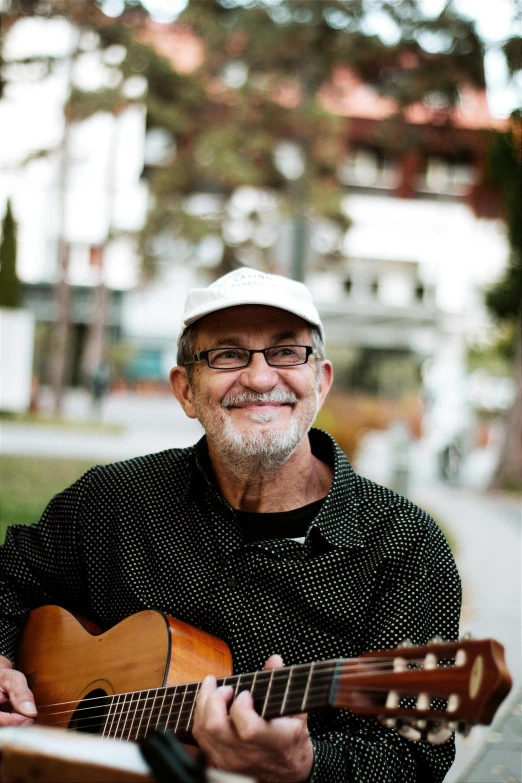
{"points": [[153, 532]]}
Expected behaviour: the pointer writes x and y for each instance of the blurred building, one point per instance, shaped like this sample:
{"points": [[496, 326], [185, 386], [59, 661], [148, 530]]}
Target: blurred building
{"points": [[426, 235]]}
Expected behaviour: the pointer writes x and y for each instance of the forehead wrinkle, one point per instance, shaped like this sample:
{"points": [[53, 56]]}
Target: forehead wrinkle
{"points": [[288, 334]]}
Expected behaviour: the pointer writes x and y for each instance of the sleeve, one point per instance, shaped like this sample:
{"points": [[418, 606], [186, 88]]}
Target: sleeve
{"points": [[420, 600], [42, 564]]}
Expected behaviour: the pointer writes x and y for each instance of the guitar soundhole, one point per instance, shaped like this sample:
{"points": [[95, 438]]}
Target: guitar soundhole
{"points": [[90, 713]]}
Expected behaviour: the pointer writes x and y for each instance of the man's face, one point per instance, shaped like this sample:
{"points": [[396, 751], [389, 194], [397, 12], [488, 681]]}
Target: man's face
{"points": [[258, 411]]}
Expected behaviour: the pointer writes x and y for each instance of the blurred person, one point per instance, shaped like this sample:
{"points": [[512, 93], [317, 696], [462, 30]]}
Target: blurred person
{"points": [[261, 534], [100, 385]]}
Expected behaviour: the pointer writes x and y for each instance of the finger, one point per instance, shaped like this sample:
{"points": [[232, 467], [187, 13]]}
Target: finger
{"points": [[14, 719], [248, 724], [207, 687], [14, 685], [274, 662]]}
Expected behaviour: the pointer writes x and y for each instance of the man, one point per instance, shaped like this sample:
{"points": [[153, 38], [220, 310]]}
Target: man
{"points": [[261, 534]]}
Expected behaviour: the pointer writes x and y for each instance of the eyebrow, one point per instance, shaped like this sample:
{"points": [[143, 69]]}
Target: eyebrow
{"points": [[289, 334]]}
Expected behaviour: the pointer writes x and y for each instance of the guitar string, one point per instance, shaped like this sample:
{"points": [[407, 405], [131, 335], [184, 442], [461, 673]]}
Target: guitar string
{"points": [[384, 668], [156, 721], [381, 666], [142, 706], [124, 704]]}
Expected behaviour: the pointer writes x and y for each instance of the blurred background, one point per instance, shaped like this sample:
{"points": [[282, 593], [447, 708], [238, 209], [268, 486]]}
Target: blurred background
{"points": [[372, 149]]}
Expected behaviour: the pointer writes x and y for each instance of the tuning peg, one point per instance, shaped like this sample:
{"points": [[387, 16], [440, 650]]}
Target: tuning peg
{"points": [[439, 734], [467, 637], [390, 723], [405, 643], [436, 640], [409, 733]]}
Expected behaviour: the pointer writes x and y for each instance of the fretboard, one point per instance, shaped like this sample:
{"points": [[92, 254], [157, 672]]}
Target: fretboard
{"points": [[278, 692]]}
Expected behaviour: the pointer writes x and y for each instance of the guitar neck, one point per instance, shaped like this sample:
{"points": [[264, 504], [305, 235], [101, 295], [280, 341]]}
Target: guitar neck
{"points": [[287, 691]]}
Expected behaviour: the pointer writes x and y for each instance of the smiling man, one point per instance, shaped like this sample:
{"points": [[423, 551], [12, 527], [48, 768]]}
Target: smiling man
{"points": [[261, 534]]}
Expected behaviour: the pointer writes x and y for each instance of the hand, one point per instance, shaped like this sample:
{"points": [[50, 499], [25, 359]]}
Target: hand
{"points": [[239, 740], [17, 706]]}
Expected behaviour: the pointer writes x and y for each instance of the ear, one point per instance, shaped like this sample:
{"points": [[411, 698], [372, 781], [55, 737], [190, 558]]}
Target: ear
{"points": [[326, 381], [182, 391]]}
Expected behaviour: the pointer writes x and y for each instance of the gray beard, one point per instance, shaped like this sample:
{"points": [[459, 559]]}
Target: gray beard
{"points": [[245, 453]]}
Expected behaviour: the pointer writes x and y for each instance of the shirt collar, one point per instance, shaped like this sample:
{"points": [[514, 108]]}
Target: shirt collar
{"points": [[337, 520]]}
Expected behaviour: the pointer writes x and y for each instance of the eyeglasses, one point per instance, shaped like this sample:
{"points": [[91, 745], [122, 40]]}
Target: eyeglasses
{"points": [[236, 358]]}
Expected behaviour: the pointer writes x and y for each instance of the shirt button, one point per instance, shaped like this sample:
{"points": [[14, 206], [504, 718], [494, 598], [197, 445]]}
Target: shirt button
{"points": [[232, 581]]}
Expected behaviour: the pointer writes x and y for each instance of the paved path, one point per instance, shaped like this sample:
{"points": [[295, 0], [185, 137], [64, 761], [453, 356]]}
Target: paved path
{"points": [[487, 533], [150, 423]]}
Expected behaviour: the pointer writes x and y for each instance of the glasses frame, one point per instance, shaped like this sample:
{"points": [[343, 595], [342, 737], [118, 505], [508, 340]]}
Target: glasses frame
{"points": [[203, 356]]}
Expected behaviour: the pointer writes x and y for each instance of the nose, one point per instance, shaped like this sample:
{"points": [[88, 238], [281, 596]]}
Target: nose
{"points": [[259, 376]]}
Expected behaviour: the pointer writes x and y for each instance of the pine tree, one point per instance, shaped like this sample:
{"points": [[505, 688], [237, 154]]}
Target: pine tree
{"points": [[10, 293]]}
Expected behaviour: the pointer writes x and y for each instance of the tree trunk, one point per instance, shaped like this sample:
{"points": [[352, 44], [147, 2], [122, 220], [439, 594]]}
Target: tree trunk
{"points": [[60, 345], [95, 342], [508, 473], [60, 348]]}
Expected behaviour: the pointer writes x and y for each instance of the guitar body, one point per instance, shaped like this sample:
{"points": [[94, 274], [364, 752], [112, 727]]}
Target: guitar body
{"points": [[67, 659]]}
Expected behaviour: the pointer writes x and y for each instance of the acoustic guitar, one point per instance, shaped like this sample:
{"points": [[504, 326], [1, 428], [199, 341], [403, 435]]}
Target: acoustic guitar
{"points": [[145, 673]]}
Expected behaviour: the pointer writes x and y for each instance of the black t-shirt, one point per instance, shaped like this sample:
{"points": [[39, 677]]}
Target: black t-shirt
{"points": [[277, 524]]}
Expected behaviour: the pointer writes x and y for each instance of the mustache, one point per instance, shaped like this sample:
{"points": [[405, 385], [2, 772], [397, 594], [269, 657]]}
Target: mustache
{"points": [[251, 397]]}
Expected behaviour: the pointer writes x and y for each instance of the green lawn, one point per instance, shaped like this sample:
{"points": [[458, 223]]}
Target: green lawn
{"points": [[28, 483]]}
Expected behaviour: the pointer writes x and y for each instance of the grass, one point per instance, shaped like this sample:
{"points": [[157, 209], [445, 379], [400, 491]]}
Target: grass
{"points": [[55, 421], [27, 484]]}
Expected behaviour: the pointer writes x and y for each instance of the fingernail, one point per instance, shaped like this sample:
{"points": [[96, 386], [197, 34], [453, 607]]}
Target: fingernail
{"points": [[28, 722], [28, 706]]}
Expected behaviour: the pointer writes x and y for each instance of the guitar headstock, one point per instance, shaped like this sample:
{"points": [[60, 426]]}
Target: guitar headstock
{"points": [[428, 691]]}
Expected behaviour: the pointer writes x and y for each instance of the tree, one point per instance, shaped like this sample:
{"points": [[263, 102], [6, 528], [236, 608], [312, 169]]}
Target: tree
{"points": [[10, 293], [504, 299]]}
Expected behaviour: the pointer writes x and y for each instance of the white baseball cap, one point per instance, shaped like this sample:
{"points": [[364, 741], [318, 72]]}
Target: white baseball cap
{"points": [[250, 286]]}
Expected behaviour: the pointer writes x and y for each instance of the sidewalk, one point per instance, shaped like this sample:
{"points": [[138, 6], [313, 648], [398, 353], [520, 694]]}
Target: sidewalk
{"points": [[487, 534]]}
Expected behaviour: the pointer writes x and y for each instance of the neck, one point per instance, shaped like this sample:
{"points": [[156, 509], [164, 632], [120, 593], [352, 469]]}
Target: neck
{"points": [[276, 692], [300, 480]]}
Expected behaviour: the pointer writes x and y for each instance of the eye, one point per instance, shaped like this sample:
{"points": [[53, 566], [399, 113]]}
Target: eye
{"points": [[229, 353], [284, 350]]}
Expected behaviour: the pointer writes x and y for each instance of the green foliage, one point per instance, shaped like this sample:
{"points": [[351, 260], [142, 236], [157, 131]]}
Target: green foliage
{"points": [[227, 126], [10, 292], [504, 298]]}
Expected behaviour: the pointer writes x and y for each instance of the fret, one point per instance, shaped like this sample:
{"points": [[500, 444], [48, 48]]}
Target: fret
{"points": [[121, 716], [114, 721], [320, 685], [131, 713], [172, 699], [159, 716], [176, 727], [151, 712], [194, 690], [307, 688], [143, 710], [285, 697], [107, 716], [269, 688]]}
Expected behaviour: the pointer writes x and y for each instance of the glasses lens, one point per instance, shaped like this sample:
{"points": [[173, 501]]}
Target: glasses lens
{"points": [[228, 358], [281, 355]]}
